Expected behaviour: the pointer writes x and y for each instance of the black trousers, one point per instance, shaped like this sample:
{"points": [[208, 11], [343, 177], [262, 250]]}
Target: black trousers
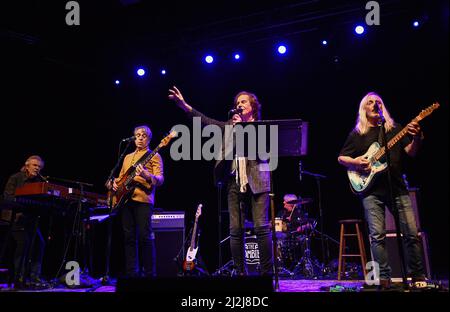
{"points": [[260, 213], [23, 233], [139, 239]]}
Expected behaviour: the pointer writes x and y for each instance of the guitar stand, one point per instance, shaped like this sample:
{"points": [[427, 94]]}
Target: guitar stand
{"points": [[226, 270], [178, 259]]}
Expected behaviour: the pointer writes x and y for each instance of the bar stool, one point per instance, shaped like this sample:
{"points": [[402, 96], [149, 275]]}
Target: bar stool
{"points": [[361, 250]]}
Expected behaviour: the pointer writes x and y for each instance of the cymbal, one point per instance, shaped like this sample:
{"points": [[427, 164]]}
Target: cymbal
{"points": [[300, 201]]}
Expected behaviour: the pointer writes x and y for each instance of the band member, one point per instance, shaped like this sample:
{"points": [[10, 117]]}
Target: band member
{"points": [[136, 213], [244, 181], [368, 130], [291, 214], [23, 230]]}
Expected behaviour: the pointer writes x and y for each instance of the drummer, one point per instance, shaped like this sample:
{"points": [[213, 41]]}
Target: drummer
{"points": [[291, 214]]}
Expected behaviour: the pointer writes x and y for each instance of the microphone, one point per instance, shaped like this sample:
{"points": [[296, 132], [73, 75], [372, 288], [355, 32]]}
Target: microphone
{"points": [[236, 110], [45, 179], [377, 107], [378, 110], [129, 139], [300, 169]]}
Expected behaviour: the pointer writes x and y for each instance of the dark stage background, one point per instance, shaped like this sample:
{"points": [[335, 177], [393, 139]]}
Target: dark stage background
{"points": [[58, 98]]}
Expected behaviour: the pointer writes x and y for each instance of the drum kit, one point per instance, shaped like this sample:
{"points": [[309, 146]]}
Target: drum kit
{"points": [[294, 244]]}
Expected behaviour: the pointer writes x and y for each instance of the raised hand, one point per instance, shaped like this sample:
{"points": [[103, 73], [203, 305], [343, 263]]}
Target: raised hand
{"points": [[176, 96]]}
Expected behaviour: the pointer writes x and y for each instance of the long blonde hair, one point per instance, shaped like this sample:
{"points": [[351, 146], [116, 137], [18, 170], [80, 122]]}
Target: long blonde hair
{"points": [[362, 124]]}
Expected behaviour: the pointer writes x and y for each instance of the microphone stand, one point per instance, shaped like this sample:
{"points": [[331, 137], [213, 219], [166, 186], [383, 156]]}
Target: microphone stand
{"points": [[392, 199], [105, 280], [319, 195]]}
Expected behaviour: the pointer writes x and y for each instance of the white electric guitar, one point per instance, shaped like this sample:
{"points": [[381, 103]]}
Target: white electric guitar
{"points": [[189, 263], [361, 181]]}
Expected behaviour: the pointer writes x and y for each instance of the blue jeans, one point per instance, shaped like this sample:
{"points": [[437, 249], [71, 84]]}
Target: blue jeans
{"points": [[260, 213], [374, 208]]}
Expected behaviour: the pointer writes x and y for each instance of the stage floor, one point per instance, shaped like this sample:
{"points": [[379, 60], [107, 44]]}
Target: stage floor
{"points": [[285, 286]]}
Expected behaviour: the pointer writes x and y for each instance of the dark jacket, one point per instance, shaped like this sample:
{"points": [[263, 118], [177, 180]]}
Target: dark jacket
{"points": [[259, 181]]}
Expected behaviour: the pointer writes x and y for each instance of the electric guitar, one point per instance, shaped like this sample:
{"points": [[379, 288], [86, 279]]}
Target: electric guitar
{"points": [[361, 181], [189, 263], [126, 184]]}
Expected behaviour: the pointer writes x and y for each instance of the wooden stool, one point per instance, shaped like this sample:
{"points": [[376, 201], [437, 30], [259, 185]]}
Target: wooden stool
{"points": [[343, 236]]}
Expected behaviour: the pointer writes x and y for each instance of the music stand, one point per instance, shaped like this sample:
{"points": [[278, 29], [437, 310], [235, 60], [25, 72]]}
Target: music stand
{"points": [[292, 141]]}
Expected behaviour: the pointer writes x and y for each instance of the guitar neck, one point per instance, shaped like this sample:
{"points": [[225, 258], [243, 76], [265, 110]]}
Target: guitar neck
{"points": [[142, 162], [194, 234], [392, 142]]}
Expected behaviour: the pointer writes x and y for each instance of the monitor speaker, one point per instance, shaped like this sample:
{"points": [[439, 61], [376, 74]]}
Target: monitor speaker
{"points": [[394, 257], [169, 247]]}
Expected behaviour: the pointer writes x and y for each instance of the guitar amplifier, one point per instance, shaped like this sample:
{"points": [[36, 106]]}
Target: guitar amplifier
{"points": [[394, 256], [169, 235], [169, 220], [390, 221]]}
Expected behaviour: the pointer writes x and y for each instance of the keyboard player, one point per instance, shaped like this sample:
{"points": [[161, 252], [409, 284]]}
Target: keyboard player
{"points": [[23, 229]]}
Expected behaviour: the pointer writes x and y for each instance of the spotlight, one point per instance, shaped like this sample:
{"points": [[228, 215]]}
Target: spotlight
{"points": [[359, 30], [282, 49], [141, 72], [237, 56], [324, 42], [416, 24], [209, 59], [163, 72], [117, 82]]}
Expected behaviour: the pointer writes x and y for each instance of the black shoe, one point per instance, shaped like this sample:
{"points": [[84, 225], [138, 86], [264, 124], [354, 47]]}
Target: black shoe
{"points": [[19, 284], [385, 284], [38, 283]]}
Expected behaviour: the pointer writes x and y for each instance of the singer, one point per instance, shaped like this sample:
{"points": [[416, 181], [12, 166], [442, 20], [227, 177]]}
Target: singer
{"points": [[245, 183], [137, 212], [368, 130], [23, 228]]}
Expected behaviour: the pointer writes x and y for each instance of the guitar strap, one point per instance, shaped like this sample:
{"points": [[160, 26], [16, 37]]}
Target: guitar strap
{"points": [[380, 136], [142, 159]]}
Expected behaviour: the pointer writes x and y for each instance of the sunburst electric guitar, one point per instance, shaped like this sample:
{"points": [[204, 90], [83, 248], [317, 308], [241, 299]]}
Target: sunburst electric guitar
{"points": [[127, 184], [361, 181], [189, 263]]}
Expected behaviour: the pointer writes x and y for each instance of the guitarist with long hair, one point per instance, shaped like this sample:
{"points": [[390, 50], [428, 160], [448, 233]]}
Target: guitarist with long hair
{"points": [[136, 211], [376, 193]]}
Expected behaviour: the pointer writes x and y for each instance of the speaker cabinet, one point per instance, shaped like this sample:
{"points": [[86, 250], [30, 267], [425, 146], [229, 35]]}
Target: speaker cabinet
{"points": [[390, 222], [169, 244], [394, 257]]}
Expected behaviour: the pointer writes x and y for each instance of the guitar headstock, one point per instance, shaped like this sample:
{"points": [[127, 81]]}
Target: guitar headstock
{"points": [[427, 111], [199, 211], [167, 138]]}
